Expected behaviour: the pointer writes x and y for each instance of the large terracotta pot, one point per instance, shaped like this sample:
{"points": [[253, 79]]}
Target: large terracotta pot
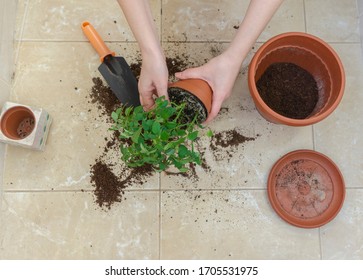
{"points": [[313, 55], [197, 87]]}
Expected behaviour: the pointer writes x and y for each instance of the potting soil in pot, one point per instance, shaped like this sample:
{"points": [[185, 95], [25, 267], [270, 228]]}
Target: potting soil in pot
{"points": [[193, 106], [289, 90]]}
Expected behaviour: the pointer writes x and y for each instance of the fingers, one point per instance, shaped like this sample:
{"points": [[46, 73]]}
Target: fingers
{"points": [[162, 91], [147, 101], [191, 73], [216, 107], [147, 98]]}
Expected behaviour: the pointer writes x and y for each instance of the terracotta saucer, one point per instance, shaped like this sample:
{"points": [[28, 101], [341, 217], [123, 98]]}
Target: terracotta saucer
{"points": [[306, 188]]}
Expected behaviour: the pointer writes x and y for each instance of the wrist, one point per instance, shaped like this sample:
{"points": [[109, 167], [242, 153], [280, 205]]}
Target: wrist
{"points": [[233, 58], [152, 51]]}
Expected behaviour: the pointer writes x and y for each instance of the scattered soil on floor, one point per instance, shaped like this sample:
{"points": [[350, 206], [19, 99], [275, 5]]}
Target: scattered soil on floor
{"points": [[224, 144], [103, 97], [289, 90], [175, 64]]}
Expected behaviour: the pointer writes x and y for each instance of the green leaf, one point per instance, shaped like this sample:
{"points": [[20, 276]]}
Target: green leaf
{"points": [[193, 135], [135, 137], [114, 116], [139, 117], [183, 169], [138, 109], [183, 151], [181, 132], [143, 149], [169, 146], [210, 133], [162, 166], [170, 152], [171, 125], [147, 124], [128, 111], [156, 128], [164, 136]]}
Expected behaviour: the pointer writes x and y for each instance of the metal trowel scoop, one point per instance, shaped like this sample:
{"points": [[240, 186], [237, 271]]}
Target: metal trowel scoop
{"points": [[115, 70]]}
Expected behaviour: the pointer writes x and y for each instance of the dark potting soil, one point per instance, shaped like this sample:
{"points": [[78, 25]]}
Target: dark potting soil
{"points": [[103, 96], [289, 90], [223, 144], [176, 64], [193, 108], [228, 138], [109, 187]]}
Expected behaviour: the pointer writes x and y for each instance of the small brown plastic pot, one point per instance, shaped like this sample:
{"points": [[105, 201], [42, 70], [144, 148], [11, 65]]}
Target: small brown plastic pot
{"points": [[197, 87], [15, 119], [312, 54]]}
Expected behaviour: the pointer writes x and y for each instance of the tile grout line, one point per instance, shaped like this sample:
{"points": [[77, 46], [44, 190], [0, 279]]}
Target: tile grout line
{"points": [[5, 82], [21, 32], [149, 190], [320, 245], [163, 42], [304, 9], [314, 139]]}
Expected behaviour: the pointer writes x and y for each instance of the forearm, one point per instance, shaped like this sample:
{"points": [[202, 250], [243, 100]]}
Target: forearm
{"points": [[139, 17], [256, 18]]}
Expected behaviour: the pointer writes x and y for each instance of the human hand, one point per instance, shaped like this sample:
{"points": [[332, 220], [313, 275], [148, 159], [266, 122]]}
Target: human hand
{"points": [[220, 73], [153, 80]]}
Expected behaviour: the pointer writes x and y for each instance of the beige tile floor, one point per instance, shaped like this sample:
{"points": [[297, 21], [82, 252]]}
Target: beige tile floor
{"points": [[47, 204]]}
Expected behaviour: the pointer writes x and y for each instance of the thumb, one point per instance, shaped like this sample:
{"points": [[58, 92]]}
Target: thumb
{"points": [[191, 73]]}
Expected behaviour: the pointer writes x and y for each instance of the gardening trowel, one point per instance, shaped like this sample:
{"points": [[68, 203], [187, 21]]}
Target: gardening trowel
{"points": [[114, 70]]}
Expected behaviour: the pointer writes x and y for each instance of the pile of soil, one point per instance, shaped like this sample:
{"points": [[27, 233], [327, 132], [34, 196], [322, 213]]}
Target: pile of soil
{"points": [[289, 90], [109, 187]]}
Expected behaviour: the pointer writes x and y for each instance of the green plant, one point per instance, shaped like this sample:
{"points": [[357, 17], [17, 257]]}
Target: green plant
{"points": [[157, 137]]}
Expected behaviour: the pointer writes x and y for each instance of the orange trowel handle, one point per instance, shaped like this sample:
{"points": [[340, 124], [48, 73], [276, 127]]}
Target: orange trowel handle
{"points": [[96, 40]]}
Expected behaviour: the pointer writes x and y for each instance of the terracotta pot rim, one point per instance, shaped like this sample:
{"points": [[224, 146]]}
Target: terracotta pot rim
{"points": [[7, 114], [282, 119], [199, 88], [190, 93], [337, 183]]}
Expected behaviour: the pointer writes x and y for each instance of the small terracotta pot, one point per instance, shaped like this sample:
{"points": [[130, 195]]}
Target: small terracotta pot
{"points": [[17, 122], [313, 55], [199, 88]]}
